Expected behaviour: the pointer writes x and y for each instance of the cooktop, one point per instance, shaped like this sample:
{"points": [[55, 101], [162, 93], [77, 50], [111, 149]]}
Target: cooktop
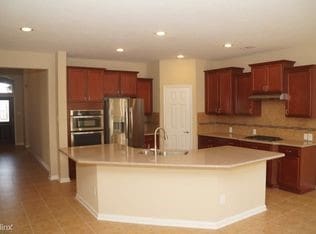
{"points": [[264, 138]]}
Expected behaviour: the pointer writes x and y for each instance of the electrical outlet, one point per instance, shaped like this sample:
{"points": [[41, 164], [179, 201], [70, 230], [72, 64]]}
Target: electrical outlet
{"points": [[230, 129], [254, 131], [305, 136], [310, 136], [222, 199]]}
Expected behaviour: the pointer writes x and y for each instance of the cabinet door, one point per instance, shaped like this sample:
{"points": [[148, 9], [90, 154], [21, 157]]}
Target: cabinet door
{"points": [[77, 84], [95, 85], [111, 83], [243, 105], [149, 141], [144, 91], [289, 172], [299, 102], [275, 78], [128, 83], [202, 142], [225, 93], [211, 93], [259, 79]]}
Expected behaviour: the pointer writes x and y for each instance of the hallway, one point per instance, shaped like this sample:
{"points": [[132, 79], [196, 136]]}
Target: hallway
{"points": [[33, 204]]}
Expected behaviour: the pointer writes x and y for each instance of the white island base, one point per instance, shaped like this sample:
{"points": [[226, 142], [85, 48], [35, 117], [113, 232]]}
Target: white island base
{"points": [[167, 196]]}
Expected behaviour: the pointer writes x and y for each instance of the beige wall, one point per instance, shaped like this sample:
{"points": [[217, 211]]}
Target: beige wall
{"points": [[36, 112], [179, 72], [34, 60], [153, 72], [17, 76]]}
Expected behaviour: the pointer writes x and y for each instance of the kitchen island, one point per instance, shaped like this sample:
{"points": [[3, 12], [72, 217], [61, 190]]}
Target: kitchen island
{"points": [[207, 188]]}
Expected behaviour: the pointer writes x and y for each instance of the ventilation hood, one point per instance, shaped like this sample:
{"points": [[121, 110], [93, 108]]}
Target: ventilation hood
{"points": [[280, 96]]}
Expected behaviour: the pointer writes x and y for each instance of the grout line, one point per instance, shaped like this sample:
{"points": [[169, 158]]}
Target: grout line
{"points": [[27, 217], [257, 125]]}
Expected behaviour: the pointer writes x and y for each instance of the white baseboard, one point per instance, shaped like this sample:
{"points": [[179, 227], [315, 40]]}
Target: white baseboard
{"points": [[171, 222], [40, 160], [53, 177], [64, 180], [87, 206]]}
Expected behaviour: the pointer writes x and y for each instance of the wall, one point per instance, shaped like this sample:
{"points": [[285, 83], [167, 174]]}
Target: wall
{"points": [[17, 76], [272, 120], [179, 72], [34, 60], [36, 113], [153, 72]]}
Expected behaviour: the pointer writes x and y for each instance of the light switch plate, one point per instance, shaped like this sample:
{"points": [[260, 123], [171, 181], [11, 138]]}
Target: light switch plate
{"points": [[310, 136], [305, 136], [254, 131], [230, 129]]}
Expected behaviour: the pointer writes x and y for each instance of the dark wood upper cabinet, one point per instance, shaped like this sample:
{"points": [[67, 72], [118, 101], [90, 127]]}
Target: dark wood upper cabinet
{"points": [[95, 85], [269, 77], [120, 83], [144, 90], [301, 88], [243, 105], [111, 85], [128, 83], [76, 84], [219, 90], [84, 84]]}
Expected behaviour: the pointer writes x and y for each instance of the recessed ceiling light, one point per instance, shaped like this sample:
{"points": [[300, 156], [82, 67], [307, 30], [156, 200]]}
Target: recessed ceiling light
{"points": [[160, 33], [180, 56], [120, 50], [228, 45], [26, 29]]}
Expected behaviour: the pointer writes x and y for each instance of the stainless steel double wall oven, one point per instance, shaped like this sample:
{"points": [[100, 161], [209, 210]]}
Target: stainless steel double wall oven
{"points": [[86, 127]]}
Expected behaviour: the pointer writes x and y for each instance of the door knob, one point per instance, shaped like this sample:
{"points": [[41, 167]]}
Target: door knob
{"points": [[187, 132]]}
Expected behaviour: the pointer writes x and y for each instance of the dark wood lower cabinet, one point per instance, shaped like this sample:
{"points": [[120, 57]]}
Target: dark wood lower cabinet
{"points": [[297, 169], [296, 172], [149, 141], [72, 169], [272, 165]]}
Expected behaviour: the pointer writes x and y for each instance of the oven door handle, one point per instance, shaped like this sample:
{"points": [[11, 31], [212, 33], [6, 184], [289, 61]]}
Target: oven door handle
{"points": [[80, 133], [86, 117]]}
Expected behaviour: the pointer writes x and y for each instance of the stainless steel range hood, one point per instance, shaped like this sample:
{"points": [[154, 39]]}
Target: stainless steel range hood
{"points": [[281, 96]]}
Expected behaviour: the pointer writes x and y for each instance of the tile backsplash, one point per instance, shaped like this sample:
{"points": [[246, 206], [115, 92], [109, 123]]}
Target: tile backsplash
{"points": [[271, 122]]}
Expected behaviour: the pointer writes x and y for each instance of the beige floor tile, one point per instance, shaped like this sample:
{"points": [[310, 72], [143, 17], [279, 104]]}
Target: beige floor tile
{"points": [[36, 205]]}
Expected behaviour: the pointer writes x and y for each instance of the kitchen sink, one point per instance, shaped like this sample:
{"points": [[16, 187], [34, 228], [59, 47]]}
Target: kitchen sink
{"points": [[164, 152]]}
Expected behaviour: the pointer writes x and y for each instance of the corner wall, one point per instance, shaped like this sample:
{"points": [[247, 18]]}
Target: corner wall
{"points": [[36, 113]]}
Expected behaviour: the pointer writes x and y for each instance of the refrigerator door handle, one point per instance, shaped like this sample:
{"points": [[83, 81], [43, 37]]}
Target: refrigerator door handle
{"points": [[126, 125], [131, 122]]}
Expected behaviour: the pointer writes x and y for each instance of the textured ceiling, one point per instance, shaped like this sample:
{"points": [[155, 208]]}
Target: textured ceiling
{"points": [[197, 29]]}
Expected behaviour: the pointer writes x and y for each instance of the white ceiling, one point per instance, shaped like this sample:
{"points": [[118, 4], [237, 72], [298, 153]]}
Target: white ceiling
{"points": [[195, 28]]}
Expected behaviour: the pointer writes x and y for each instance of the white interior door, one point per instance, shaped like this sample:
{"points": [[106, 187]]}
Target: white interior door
{"points": [[178, 116]]}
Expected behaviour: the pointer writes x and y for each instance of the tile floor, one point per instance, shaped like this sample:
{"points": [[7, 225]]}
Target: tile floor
{"points": [[33, 204]]}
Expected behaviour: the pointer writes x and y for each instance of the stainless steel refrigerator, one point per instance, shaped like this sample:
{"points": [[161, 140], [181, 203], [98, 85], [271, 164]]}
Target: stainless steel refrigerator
{"points": [[124, 121]]}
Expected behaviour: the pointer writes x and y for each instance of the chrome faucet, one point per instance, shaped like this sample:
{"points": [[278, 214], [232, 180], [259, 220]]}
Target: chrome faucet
{"points": [[155, 137]]}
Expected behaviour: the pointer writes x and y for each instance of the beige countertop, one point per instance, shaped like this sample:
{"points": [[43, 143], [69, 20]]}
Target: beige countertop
{"points": [[242, 138], [217, 157]]}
